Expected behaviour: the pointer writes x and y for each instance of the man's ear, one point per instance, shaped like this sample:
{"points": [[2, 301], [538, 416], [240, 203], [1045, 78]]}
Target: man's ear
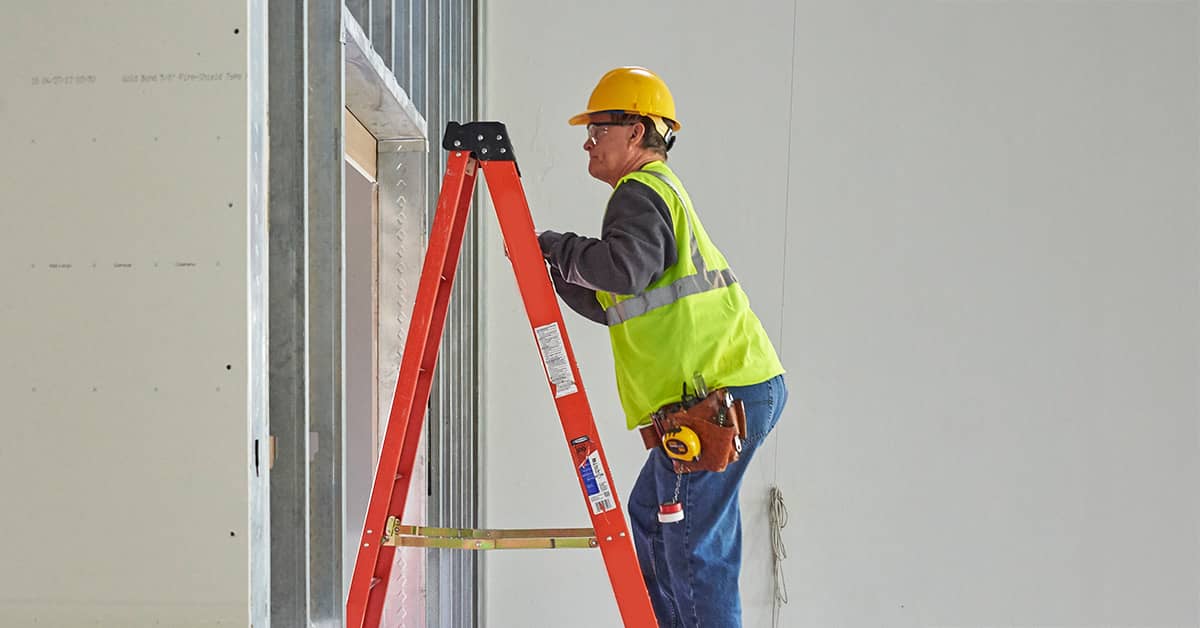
{"points": [[639, 133]]}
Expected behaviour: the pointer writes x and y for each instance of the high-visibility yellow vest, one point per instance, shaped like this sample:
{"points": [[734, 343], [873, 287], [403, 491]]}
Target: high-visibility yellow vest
{"points": [[695, 318]]}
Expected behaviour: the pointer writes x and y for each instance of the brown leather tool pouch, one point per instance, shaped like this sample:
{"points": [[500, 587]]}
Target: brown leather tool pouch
{"points": [[720, 423]]}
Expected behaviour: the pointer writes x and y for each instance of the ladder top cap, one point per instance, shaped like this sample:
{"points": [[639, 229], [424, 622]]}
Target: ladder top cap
{"points": [[487, 141]]}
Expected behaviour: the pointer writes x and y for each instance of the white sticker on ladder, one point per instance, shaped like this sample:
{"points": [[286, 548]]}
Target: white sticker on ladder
{"points": [[554, 356]]}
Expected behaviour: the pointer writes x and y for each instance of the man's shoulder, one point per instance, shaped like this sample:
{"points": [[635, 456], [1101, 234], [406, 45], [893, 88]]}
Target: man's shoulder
{"points": [[634, 194], [637, 184], [633, 198]]}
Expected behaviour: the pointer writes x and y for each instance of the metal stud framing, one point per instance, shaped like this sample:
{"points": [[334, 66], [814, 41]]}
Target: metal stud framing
{"points": [[430, 46]]}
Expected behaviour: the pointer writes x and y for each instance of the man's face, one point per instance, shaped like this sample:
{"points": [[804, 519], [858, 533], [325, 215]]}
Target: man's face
{"points": [[608, 146]]}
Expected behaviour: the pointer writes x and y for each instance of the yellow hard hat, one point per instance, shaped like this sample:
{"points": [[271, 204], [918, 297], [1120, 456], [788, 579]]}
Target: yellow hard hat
{"points": [[633, 90]]}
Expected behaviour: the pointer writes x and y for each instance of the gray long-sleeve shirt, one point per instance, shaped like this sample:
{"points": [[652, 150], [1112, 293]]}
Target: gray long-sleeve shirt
{"points": [[636, 244]]}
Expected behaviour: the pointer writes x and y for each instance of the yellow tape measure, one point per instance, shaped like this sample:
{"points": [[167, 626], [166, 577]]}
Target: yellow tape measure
{"points": [[682, 443]]}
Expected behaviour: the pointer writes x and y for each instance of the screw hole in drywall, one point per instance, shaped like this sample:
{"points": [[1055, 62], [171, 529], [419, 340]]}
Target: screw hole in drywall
{"points": [[228, 367], [236, 31]]}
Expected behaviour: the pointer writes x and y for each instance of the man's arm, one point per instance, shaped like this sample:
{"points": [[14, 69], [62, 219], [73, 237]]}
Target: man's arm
{"points": [[636, 243], [582, 300]]}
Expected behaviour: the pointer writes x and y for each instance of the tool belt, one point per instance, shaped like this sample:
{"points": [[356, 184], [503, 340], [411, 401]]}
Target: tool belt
{"points": [[718, 420]]}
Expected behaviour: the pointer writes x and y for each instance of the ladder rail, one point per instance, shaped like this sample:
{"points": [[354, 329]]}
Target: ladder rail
{"points": [[368, 587], [574, 411]]}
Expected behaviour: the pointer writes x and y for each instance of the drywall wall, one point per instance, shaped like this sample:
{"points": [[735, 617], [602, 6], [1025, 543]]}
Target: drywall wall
{"points": [[972, 229], [127, 459]]}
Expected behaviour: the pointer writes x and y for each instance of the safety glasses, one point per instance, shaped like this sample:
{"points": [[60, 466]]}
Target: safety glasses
{"points": [[596, 130]]}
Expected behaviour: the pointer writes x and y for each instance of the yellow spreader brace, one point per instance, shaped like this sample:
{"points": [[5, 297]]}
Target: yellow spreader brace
{"points": [[398, 535]]}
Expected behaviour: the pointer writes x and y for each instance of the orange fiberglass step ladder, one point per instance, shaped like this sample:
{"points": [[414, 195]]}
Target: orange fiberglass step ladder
{"points": [[486, 146]]}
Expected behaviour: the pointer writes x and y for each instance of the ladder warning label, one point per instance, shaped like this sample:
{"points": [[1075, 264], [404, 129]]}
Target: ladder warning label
{"points": [[554, 356], [599, 491]]}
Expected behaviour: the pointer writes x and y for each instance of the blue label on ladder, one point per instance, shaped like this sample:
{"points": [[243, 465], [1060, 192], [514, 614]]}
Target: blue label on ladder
{"points": [[595, 481], [589, 478]]}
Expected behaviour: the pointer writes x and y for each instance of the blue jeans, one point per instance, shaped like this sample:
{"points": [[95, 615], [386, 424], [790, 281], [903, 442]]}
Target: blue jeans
{"points": [[691, 567]]}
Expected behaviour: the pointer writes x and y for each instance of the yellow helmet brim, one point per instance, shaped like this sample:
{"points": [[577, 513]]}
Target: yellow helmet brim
{"points": [[581, 119]]}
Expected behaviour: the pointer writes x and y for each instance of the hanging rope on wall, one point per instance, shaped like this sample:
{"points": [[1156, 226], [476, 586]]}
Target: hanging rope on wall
{"points": [[778, 521], [778, 514]]}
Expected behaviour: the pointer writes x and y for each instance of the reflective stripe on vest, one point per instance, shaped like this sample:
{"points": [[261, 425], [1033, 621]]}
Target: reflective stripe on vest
{"points": [[702, 280]]}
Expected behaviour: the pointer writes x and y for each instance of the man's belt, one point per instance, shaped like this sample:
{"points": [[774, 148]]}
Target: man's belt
{"points": [[651, 437]]}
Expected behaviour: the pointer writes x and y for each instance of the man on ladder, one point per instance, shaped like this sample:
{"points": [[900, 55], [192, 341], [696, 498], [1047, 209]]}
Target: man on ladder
{"points": [[676, 316]]}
